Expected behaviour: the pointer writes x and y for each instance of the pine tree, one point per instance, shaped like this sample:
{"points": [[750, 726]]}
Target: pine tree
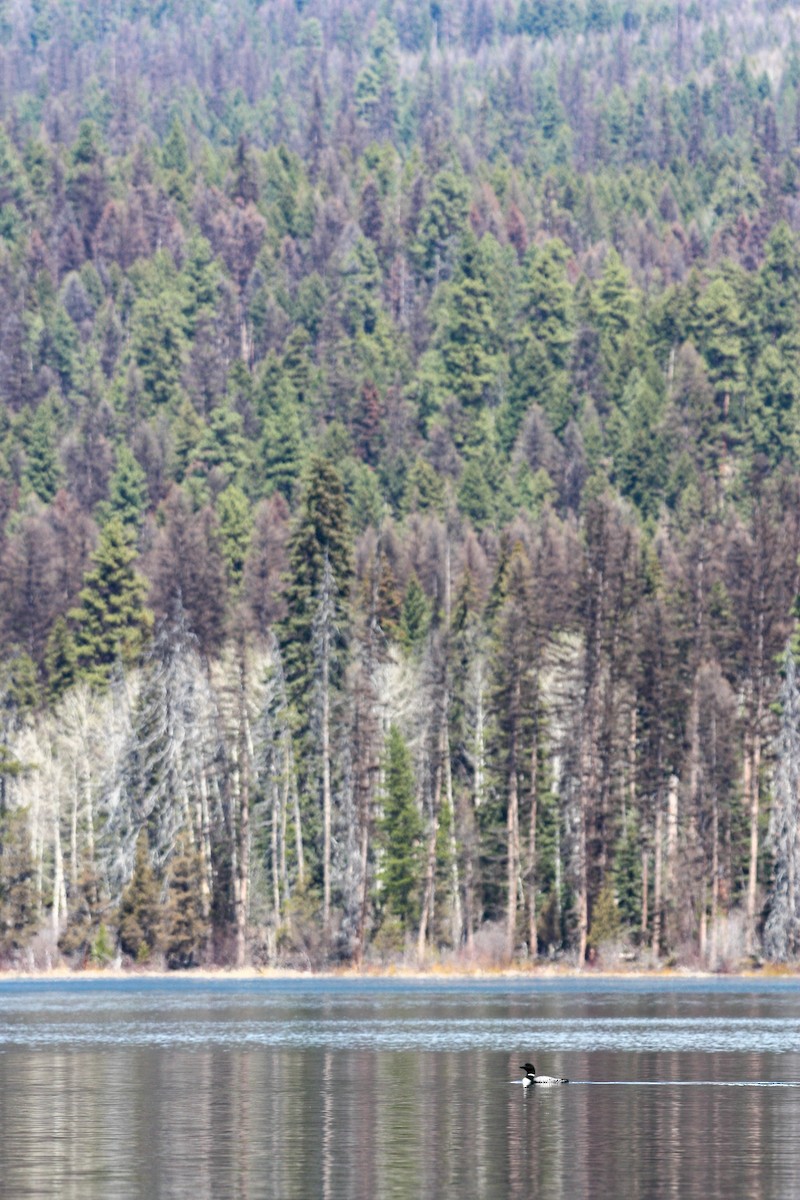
{"points": [[158, 342], [61, 660], [415, 615], [235, 530], [443, 221], [321, 534], [721, 324], [400, 832], [17, 883], [185, 928], [127, 498], [281, 449], [42, 469], [539, 365], [615, 305], [140, 917], [111, 621], [467, 360]]}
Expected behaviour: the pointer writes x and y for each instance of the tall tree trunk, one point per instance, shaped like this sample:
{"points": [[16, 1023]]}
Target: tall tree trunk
{"points": [[275, 856], [657, 879], [533, 941], [59, 896], [752, 768], [512, 830], [205, 847], [512, 818], [298, 822], [426, 915], [243, 829], [456, 910], [715, 868], [326, 788]]}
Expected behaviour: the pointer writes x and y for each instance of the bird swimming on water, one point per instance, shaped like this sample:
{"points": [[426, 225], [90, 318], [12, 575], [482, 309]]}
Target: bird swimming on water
{"points": [[532, 1077]]}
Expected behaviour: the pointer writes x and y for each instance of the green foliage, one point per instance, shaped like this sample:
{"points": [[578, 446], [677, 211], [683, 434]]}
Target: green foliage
{"points": [[544, 341], [61, 660], [415, 615], [111, 621], [140, 916], [627, 878], [185, 927], [158, 339], [400, 832], [101, 952], [721, 325], [442, 224], [42, 468], [376, 83], [606, 923], [321, 533], [235, 527], [84, 923], [18, 916], [467, 360], [127, 498], [493, 283]]}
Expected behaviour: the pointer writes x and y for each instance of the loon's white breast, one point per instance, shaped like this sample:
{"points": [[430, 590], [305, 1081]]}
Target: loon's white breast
{"points": [[541, 1080]]}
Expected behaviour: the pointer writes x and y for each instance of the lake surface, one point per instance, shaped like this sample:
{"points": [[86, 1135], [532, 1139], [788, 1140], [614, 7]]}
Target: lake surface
{"points": [[369, 1089]]}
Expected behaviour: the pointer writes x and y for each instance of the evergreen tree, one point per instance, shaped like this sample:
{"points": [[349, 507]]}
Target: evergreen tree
{"points": [[111, 621], [235, 529], [400, 833], [321, 534], [17, 883], [281, 449], [158, 342], [140, 916], [42, 469], [185, 928], [543, 344], [415, 615], [615, 305], [467, 361], [721, 325], [442, 223], [127, 492], [61, 660]]}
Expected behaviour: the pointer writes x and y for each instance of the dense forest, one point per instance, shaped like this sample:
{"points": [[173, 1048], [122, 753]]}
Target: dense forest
{"points": [[399, 481]]}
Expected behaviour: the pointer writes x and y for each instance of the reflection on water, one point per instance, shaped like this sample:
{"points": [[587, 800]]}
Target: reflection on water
{"points": [[138, 1089]]}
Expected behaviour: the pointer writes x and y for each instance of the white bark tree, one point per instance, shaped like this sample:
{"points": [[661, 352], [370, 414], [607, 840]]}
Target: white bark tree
{"points": [[782, 929]]}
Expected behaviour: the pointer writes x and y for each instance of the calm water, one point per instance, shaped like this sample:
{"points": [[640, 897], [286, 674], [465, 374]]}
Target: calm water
{"points": [[383, 1089]]}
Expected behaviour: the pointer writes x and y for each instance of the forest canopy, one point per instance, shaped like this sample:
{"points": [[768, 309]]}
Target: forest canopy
{"points": [[399, 481]]}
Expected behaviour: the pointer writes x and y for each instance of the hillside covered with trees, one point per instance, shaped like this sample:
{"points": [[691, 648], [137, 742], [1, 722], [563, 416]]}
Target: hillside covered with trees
{"points": [[399, 480]]}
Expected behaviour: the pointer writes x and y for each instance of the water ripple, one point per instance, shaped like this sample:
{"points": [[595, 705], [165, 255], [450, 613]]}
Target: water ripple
{"points": [[637, 1034]]}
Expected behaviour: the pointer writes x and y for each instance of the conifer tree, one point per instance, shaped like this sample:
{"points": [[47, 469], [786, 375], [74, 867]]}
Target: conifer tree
{"points": [[185, 928], [111, 621], [415, 615], [321, 534], [42, 469], [17, 890], [140, 916], [60, 660], [127, 498], [235, 530], [400, 832]]}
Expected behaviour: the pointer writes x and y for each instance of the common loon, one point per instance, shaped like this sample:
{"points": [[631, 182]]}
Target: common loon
{"points": [[532, 1077]]}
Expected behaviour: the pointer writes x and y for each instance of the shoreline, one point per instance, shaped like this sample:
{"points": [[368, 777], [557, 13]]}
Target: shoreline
{"points": [[431, 974]]}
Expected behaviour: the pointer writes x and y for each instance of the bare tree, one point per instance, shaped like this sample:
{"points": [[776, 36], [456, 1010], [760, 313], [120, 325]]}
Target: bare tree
{"points": [[782, 928]]}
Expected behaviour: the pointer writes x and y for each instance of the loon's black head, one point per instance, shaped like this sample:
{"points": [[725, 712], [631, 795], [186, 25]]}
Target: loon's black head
{"points": [[529, 1068]]}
